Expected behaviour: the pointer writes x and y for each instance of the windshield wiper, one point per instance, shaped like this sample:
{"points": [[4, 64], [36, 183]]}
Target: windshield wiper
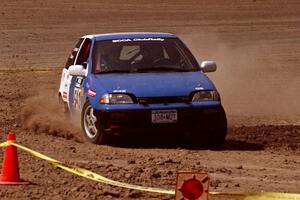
{"points": [[114, 71], [162, 68]]}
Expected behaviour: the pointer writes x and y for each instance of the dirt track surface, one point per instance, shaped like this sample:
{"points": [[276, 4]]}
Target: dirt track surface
{"points": [[256, 45]]}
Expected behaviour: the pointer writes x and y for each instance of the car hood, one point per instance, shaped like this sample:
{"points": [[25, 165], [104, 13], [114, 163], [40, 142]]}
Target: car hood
{"points": [[153, 84]]}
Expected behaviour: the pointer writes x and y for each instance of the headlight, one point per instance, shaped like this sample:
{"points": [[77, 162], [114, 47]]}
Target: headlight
{"points": [[206, 96], [115, 99]]}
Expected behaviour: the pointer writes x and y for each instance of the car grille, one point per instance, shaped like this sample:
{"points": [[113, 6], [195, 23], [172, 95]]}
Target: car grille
{"points": [[156, 100]]}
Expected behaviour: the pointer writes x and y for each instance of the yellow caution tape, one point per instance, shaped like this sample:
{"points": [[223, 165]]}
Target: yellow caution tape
{"points": [[259, 195], [89, 174], [4, 144], [29, 69], [96, 177]]}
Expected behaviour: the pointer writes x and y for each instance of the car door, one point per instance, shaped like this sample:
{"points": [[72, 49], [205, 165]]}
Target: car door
{"points": [[66, 77], [76, 84]]}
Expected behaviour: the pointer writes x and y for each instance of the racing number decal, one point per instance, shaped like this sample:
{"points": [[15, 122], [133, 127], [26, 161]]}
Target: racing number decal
{"points": [[78, 93], [75, 93]]}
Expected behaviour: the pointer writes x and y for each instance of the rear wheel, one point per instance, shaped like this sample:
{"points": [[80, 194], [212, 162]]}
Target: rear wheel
{"points": [[91, 125]]}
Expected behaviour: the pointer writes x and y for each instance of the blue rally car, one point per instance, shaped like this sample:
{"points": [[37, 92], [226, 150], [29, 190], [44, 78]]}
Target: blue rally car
{"points": [[141, 82]]}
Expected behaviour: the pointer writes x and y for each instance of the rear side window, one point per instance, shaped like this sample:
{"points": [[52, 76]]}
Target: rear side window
{"points": [[73, 54]]}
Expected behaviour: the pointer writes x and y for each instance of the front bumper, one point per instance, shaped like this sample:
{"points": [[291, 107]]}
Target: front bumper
{"points": [[139, 121]]}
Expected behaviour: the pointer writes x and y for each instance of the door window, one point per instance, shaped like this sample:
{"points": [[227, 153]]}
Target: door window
{"points": [[84, 52], [73, 54]]}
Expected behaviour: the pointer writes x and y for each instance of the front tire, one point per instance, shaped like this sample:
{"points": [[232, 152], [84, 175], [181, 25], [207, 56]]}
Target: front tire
{"points": [[91, 125], [217, 139]]}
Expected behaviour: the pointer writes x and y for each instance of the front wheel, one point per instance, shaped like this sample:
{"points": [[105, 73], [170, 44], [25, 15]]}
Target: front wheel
{"points": [[91, 125], [219, 135]]}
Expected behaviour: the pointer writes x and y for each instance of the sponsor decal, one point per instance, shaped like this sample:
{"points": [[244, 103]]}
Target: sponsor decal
{"points": [[199, 88], [138, 39], [91, 93], [119, 91]]}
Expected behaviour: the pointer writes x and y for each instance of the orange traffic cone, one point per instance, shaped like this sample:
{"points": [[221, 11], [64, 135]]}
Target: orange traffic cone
{"points": [[10, 167]]}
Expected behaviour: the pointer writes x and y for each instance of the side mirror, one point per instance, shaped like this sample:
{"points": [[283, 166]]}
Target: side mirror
{"points": [[77, 70], [208, 66]]}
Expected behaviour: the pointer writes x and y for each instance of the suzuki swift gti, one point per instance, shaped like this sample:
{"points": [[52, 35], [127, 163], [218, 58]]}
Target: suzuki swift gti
{"points": [[141, 83]]}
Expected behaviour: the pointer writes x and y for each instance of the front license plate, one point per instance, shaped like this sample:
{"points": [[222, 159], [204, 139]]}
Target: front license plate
{"points": [[164, 116]]}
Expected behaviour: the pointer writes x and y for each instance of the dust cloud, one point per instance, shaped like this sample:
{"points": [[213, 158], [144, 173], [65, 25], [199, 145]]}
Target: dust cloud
{"points": [[250, 77], [44, 114]]}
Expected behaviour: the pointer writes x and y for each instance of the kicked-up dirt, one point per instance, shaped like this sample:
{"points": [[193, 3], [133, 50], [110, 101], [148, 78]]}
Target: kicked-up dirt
{"points": [[256, 45]]}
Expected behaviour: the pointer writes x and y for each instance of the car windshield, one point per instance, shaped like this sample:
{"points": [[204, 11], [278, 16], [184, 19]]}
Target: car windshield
{"points": [[142, 55]]}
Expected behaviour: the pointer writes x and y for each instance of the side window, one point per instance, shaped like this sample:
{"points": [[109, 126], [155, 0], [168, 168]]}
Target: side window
{"points": [[73, 54], [84, 52]]}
